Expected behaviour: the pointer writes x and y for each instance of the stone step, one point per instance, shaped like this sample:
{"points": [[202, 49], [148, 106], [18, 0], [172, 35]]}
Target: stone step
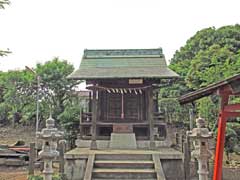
{"points": [[124, 156], [135, 164], [123, 173]]}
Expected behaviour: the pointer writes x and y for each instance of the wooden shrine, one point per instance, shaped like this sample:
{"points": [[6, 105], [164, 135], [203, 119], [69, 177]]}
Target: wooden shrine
{"points": [[123, 98]]}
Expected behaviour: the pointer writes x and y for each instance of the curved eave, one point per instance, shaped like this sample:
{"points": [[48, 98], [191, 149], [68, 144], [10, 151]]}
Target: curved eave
{"points": [[89, 74]]}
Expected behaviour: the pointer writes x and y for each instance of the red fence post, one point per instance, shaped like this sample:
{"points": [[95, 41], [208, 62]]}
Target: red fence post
{"points": [[220, 147]]}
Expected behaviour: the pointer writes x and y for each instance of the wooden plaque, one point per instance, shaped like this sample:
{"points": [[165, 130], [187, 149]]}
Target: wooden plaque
{"points": [[135, 81], [122, 128]]}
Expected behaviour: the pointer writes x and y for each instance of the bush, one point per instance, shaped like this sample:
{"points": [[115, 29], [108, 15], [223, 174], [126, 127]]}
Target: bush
{"points": [[39, 177]]}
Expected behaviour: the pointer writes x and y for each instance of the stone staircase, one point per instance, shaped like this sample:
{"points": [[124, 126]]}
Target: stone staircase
{"points": [[123, 166]]}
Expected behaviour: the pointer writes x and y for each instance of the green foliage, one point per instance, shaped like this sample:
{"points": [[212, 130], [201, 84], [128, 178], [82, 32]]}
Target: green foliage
{"points": [[212, 65], [18, 90], [38, 177], [232, 139], [55, 87], [35, 177], [207, 108], [211, 55]]}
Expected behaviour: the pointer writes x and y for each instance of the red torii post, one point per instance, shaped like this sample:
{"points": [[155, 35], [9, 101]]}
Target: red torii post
{"points": [[226, 111]]}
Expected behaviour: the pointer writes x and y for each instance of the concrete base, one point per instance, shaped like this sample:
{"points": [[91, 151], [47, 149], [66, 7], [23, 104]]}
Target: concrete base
{"points": [[123, 141]]}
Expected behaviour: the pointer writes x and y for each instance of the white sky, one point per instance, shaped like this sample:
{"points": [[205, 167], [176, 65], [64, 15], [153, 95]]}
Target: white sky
{"points": [[38, 30]]}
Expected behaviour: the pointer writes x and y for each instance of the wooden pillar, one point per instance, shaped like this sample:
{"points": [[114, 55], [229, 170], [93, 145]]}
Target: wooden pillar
{"points": [[32, 155], [80, 123], [90, 102], [150, 117], [156, 104], [94, 120]]}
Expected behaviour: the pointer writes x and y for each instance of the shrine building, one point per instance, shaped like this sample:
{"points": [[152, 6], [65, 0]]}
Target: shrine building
{"points": [[123, 133], [123, 98]]}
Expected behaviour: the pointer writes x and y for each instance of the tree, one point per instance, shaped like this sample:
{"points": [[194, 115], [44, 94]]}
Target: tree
{"points": [[55, 87], [205, 53], [4, 52], [19, 89], [211, 55], [17, 96], [3, 3]]}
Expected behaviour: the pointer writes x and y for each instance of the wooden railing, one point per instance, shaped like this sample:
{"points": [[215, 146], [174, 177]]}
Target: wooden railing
{"points": [[158, 116], [86, 117]]}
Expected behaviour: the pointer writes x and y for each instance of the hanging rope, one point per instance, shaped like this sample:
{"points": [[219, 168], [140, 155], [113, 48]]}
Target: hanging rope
{"points": [[136, 90], [122, 113]]}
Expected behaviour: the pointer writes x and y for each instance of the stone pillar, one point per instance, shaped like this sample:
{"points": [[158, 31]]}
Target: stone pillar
{"points": [[49, 136], [201, 135], [62, 150], [150, 117], [94, 120]]}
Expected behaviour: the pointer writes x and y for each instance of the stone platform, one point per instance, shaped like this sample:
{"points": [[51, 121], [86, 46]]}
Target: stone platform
{"points": [[162, 163]]}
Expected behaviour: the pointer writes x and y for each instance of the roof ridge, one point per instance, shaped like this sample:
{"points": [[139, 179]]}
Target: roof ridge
{"points": [[105, 53]]}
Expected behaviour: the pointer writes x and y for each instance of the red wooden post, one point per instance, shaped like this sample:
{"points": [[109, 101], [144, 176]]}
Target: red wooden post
{"points": [[220, 139], [220, 147]]}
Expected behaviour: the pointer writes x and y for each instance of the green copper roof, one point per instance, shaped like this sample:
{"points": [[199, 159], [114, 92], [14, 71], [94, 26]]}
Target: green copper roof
{"points": [[123, 63]]}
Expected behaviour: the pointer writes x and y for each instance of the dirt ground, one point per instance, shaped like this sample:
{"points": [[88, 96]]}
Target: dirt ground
{"points": [[13, 173]]}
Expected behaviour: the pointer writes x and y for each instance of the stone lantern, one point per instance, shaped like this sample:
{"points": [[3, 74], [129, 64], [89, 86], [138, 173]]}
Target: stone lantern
{"points": [[49, 136], [201, 152]]}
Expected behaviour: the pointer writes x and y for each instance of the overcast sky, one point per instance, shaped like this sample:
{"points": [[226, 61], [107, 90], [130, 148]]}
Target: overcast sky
{"points": [[38, 30]]}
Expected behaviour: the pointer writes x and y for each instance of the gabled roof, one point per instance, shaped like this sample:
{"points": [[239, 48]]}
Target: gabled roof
{"points": [[233, 82], [123, 63]]}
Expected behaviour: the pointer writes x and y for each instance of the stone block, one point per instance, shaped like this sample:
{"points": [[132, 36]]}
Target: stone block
{"points": [[123, 141], [75, 169]]}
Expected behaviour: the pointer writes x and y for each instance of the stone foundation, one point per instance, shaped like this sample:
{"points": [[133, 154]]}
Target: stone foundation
{"points": [[76, 160]]}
